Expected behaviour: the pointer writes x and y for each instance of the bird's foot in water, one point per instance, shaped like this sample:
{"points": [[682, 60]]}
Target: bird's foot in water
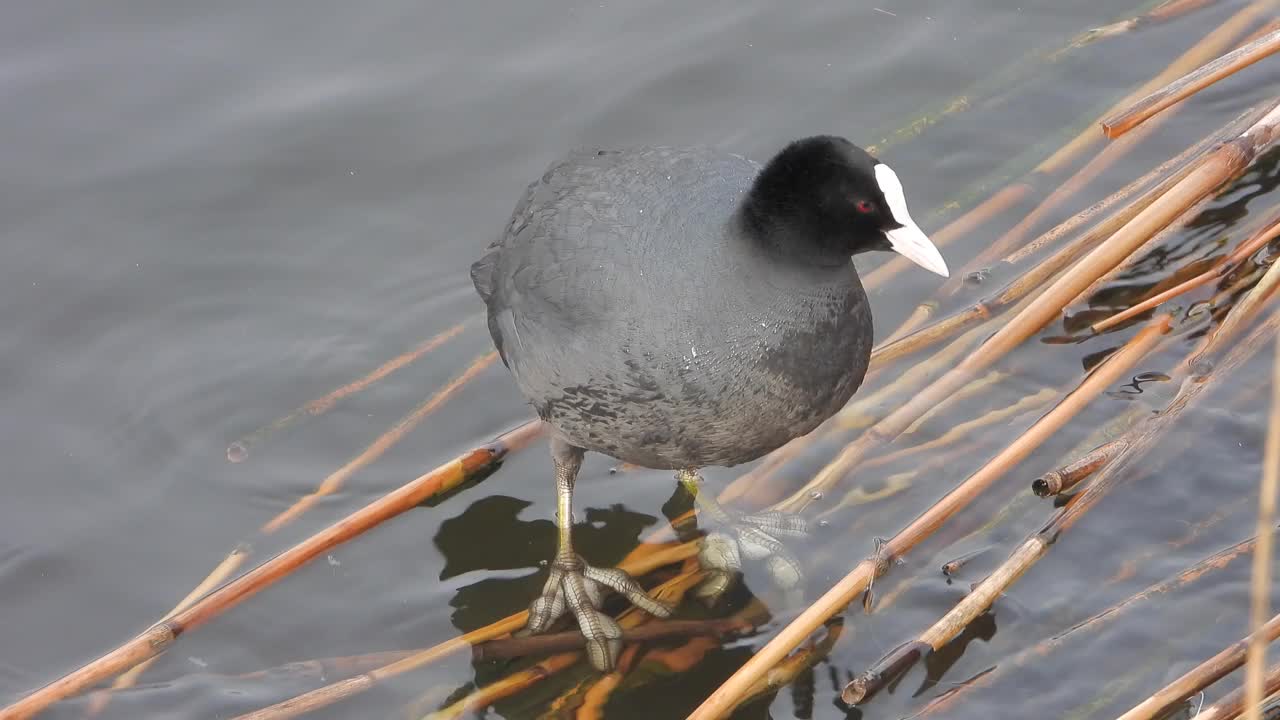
{"points": [[579, 588], [754, 536]]}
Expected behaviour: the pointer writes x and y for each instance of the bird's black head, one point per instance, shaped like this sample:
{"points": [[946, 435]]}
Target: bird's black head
{"points": [[824, 198]]}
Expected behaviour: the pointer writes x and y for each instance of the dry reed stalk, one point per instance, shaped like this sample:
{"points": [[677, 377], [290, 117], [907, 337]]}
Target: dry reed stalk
{"points": [[847, 589], [1162, 13], [238, 451], [328, 486], [1221, 268], [1203, 675], [1202, 77], [1068, 476], [335, 692], [162, 635], [1261, 590], [1138, 441], [1200, 570]]}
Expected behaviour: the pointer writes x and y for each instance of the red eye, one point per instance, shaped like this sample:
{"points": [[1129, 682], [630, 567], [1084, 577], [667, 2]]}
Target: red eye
{"points": [[863, 206]]}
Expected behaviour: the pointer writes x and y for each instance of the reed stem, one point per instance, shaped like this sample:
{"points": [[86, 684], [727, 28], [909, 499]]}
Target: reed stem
{"points": [[1261, 590], [1184, 87]]}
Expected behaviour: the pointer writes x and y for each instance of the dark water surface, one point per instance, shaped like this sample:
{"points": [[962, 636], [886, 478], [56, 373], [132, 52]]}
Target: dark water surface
{"points": [[212, 213]]}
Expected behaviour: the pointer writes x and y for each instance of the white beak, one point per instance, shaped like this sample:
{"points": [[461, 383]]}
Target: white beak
{"points": [[908, 240]]}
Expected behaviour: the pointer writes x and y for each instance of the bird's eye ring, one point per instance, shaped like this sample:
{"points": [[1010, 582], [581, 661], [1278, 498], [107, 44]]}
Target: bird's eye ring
{"points": [[863, 206]]}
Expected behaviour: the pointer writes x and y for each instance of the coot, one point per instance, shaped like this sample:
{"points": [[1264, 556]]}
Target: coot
{"points": [[683, 307]]}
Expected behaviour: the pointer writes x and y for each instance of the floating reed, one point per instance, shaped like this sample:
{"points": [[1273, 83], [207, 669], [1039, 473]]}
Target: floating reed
{"points": [[155, 640], [1202, 77], [1068, 476], [1261, 590], [238, 451]]}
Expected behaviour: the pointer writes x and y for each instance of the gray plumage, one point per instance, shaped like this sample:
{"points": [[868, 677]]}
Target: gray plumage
{"points": [[644, 319]]}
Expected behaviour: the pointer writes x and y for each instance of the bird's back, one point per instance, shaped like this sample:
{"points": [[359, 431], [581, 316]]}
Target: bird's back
{"points": [[640, 325]]}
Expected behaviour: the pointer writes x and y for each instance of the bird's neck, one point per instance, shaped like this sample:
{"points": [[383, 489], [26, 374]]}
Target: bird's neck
{"points": [[779, 240]]}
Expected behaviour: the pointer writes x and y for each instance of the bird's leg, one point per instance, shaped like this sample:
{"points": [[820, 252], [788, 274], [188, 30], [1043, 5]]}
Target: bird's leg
{"points": [[754, 536], [577, 587]]}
